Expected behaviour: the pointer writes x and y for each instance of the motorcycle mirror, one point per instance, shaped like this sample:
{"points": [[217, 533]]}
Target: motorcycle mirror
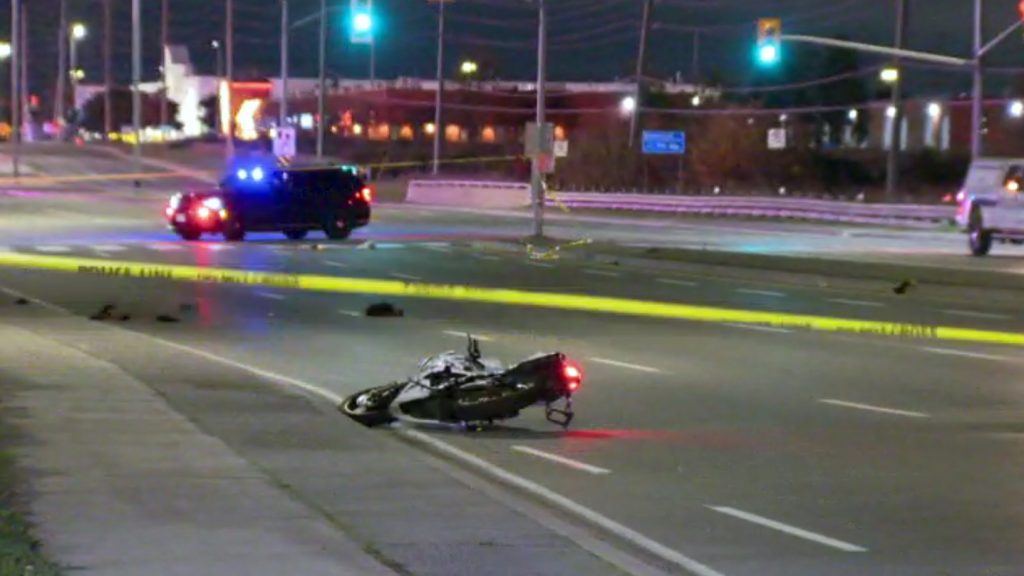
{"points": [[473, 347]]}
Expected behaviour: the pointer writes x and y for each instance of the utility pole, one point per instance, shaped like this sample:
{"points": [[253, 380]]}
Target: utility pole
{"points": [[373, 58], [978, 92], [537, 175], [62, 61], [136, 83], [282, 116], [695, 65], [229, 39], [16, 56], [164, 39], [108, 72], [892, 171], [321, 106], [439, 94], [25, 106], [645, 25]]}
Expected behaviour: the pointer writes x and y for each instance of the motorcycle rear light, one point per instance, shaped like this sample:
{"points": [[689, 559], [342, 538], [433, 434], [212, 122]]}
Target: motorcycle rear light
{"points": [[571, 372], [573, 385]]}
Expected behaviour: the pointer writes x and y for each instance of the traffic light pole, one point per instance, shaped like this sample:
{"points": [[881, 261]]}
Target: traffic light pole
{"points": [[978, 88]]}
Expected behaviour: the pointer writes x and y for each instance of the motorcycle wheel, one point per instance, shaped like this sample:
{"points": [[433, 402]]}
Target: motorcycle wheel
{"points": [[493, 403], [373, 411]]}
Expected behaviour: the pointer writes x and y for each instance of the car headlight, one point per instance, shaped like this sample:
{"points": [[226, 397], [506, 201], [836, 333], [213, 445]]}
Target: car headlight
{"points": [[215, 204]]}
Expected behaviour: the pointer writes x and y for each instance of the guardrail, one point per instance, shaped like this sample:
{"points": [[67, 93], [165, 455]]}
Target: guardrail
{"points": [[760, 207], [477, 194]]}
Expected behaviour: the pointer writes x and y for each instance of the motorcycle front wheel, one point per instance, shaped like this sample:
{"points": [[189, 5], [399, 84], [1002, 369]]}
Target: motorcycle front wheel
{"points": [[370, 407]]}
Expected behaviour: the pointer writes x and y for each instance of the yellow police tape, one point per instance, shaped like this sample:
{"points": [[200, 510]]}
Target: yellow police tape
{"points": [[576, 302]]}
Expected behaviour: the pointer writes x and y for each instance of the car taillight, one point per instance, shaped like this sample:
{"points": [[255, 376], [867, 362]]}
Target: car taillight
{"points": [[203, 212], [169, 211], [366, 194]]}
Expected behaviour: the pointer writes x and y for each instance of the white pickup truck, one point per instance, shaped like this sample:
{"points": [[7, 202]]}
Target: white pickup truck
{"points": [[990, 206]]}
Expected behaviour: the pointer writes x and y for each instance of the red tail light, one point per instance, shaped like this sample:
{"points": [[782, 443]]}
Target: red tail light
{"points": [[203, 212], [366, 194], [573, 376]]}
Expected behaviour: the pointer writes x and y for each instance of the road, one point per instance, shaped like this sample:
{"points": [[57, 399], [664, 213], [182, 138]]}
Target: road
{"points": [[751, 451]]}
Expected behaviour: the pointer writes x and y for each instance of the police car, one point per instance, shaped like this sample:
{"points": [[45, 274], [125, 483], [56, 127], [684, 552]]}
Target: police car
{"points": [[271, 198], [990, 206]]}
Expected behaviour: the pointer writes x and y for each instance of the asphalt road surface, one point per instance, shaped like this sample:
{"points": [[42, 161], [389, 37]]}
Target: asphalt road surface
{"points": [[751, 451]]}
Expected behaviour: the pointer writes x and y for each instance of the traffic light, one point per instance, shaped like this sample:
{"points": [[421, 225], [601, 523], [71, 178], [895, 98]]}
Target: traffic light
{"points": [[769, 41], [361, 24]]}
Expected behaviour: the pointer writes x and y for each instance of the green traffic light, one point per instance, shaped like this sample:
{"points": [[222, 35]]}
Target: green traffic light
{"points": [[768, 54]]}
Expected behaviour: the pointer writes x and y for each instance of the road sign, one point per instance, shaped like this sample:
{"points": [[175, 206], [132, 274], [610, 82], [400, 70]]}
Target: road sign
{"points": [[539, 141], [284, 142], [776, 138], [561, 148], [660, 142]]}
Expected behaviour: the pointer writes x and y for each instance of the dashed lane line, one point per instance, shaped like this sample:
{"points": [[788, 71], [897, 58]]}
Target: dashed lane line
{"points": [[574, 464]]}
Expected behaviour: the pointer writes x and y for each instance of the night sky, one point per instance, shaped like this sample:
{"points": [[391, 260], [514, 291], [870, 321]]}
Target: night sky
{"points": [[590, 39]]}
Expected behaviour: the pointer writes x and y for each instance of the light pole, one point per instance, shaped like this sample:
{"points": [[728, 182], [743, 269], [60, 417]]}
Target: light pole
{"points": [[229, 35], [977, 93], [108, 71], [892, 76], [16, 56], [76, 33], [282, 116], [5, 55], [321, 106], [439, 93], [62, 65], [645, 26], [136, 84], [165, 23], [536, 173]]}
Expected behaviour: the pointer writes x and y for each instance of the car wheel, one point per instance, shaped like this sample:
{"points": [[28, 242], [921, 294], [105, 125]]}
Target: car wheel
{"points": [[979, 239], [295, 234], [190, 234], [337, 229], [233, 231]]}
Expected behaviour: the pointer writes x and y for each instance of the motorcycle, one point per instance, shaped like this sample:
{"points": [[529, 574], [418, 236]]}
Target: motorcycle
{"points": [[471, 391]]}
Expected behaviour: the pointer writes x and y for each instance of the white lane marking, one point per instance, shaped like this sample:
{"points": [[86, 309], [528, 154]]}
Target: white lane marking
{"points": [[767, 293], [165, 247], [963, 353], [576, 464], [539, 264], [351, 313], [401, 276], [674, 282], [637, 367], [271, 295], [214, 247], [848, 302], [606, 273], [586, 514], [335, 264], [104, 254], [55, 249], [566, 505], [791, 530], [108, 248], [459, 334], [388, 246], [486, 257], [437, 247], [973, 314], [882, 409], [758, 328]]}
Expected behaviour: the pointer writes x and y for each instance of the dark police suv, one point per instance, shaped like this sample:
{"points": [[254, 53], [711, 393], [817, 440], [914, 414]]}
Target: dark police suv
{"points": [[259, 198]]}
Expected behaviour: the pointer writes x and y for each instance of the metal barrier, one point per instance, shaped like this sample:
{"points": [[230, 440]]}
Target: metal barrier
{"points": [[476, 194], [764, 207]]}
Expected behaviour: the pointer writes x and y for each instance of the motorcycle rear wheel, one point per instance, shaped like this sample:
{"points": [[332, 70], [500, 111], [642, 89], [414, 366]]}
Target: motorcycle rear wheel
{"points": [[374, 410]]}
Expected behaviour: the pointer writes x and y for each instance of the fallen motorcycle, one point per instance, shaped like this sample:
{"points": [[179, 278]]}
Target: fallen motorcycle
{"points": [[469, 390]]}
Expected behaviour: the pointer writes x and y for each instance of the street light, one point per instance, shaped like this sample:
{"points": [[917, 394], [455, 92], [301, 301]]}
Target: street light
{"points": [[5, 50], [362, 23], [78, 31], [628, 105], [889, 75], [1017, 109], [469, 67]]}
